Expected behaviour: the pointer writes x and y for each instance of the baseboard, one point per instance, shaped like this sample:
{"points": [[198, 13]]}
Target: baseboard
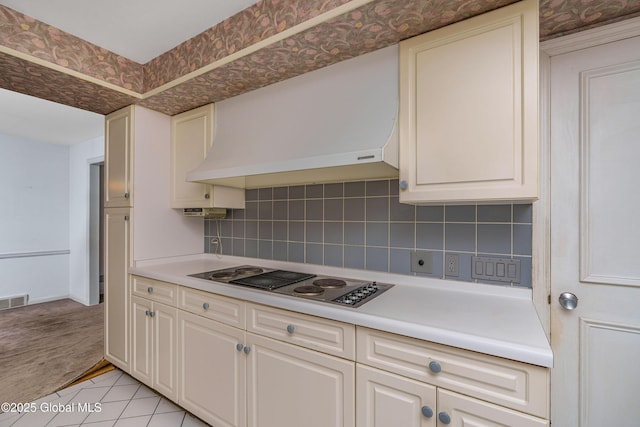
{"points": [[49, 299]]}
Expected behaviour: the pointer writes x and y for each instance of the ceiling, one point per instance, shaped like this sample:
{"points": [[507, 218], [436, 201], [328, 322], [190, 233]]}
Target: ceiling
{"points": [[36, 119], [172, 56], [145, 29], [140, 29]]}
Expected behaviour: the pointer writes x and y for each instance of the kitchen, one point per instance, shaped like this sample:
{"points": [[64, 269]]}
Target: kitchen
{"points": [[149, 244]]}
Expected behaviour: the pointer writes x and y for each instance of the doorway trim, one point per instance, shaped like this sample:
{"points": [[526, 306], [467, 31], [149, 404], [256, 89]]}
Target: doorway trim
{"points": [[93, 232]]}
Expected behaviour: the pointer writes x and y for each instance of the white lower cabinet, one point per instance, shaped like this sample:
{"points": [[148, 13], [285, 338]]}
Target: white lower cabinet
{"points": [[239, 364], [118, 258], [457, 410], [387, 400], [154, 345], [211, 370], [290, 386], [416, 381], [231, 378]]}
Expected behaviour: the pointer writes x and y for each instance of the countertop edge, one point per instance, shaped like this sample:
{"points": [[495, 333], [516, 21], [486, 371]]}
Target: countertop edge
{"points": [[538, 353]]}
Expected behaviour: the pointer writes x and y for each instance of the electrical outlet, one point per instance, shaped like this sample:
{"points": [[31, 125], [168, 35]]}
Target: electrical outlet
{"points": [[421, 262], [451, 265]]}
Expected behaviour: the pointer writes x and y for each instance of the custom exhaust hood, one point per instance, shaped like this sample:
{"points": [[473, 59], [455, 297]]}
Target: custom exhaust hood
{"points": [[333, 124]]}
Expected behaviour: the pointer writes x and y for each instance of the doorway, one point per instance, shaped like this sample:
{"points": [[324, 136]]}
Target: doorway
{"points": [[96, 232]]}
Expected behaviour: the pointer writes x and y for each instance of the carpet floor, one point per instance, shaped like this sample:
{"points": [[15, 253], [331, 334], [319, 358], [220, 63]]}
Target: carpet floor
{"points": [[45, 346]]}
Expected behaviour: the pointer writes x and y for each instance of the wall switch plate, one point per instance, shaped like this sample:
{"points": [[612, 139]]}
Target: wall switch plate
{"points": [[421, 262], [452, 265], [495, 269]]}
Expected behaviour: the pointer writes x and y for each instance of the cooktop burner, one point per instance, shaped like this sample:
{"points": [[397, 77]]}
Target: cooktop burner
{"points": [[308, 290], [223, 275], [330, 283], [334, 290]]}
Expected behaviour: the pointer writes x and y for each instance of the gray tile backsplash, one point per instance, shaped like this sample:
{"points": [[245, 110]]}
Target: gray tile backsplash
{"points": [[362, 225]]}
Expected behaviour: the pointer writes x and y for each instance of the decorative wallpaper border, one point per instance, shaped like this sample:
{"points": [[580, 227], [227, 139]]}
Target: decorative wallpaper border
{"points": [[363, 30], [43, 41], [26, 77], [377, 24], [250, 26]]}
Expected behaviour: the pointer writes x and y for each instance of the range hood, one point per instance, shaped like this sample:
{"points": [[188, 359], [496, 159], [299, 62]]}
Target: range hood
{"points": [[333, 124]]}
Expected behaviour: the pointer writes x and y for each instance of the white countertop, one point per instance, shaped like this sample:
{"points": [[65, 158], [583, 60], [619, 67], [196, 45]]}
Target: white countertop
{"points": [[495, 320]]}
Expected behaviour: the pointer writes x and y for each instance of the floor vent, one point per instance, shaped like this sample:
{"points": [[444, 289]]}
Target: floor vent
{"points": [[12, 302]]}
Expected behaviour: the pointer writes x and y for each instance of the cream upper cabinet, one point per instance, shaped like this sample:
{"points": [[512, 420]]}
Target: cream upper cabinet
{"points": [[191, 138], [468, 119], [118, 158]]}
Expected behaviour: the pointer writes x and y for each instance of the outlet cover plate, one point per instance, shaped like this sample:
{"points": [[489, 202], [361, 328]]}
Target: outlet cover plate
{"points": [[452, 265], [422, 262]]}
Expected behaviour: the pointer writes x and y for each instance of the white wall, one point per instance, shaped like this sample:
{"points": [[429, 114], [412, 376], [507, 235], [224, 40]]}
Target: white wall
{"points": [[158, 230], [34, 212], [81, 156]]}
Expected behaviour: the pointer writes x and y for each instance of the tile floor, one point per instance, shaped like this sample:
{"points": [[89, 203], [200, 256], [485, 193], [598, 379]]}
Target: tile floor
{"points": [[124, 402]]}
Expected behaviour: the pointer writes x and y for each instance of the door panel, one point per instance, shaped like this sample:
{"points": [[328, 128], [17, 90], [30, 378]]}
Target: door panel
{"points": [[289, 386], [211, 370], [389, 400], [595, 147]]}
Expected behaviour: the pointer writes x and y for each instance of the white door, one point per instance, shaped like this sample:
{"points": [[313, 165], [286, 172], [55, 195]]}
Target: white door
{"points": [[595, 237]]}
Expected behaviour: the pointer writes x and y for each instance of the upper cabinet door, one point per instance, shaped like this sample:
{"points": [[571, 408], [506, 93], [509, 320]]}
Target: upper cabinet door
{"points": [[118, 155], [191, 139], [469, 110]]}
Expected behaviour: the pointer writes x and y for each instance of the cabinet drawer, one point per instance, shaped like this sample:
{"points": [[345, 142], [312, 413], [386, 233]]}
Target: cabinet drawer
{"points": [[155, 290], [316, 333], [509, 383], [223, 309]]}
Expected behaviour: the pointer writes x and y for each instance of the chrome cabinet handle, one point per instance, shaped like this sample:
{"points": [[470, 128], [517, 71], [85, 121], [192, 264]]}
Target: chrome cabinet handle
{"points": [[427, 412], [150, 289], [568, 301], [239, 347], [126, 195], [247, 349], [444, 418], [435, 367], [404, 185], [291, 329], [146, 313], [205, 306], [152, 313], [206, 196]]}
